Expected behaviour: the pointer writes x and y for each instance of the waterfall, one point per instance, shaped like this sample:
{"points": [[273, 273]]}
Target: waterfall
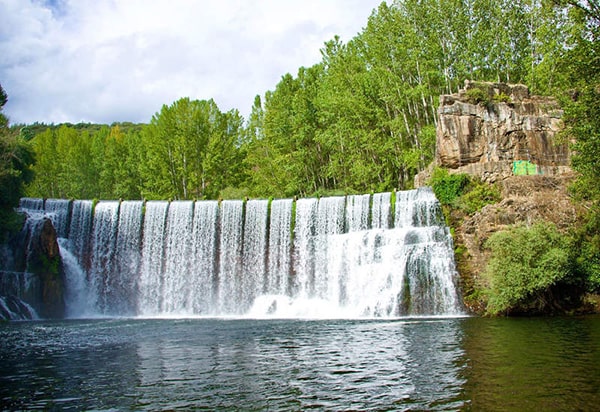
{"points": [[58, 211], [150, 282], [304, 248], [77, 293], [177, 270], [381, 210], [380, 255], [203, 257], [357, 212], [280, 247], [80, 229], [127, 258], [102, 275], [229, 292], [30, 203], [254, 254]]}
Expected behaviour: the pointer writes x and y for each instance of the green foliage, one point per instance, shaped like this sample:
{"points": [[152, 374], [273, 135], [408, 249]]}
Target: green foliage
{"points": [[582, 117], [233, 193], [582, 120], [501, 98], [478, 195], [476, 96], [16, 160], [192, 150], [448, 187], [47, 265], [529, 271], [462, 192], [586, 251]]}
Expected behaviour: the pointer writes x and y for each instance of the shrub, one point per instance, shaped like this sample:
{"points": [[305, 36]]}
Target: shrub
{"points": [[447, 187], [476, 96], [501, 98], [529, 271], [586, 250], [462, 192], [478, 195]]}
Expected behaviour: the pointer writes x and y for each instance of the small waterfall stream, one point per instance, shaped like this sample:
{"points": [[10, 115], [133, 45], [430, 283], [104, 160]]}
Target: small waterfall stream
{"points": [[353, 256]]}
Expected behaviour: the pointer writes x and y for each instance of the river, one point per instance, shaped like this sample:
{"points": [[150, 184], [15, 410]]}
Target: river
{"points": [[269, 364]]}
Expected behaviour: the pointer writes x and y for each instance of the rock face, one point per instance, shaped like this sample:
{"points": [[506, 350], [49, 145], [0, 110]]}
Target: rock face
{"points": [[45, 262], [497, 130], [31, 273], [525, 200], [501, 134]]}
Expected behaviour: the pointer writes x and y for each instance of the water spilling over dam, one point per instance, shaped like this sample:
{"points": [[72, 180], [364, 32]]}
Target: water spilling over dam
{"points": [[380, 255]]}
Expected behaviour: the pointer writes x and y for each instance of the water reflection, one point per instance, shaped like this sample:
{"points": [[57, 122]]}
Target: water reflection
{"points": [[419, 364], [57, 366], [532, 364], [303, 364]]}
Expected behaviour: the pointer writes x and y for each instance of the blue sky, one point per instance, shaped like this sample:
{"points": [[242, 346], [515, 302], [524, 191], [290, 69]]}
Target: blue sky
{"points": [[110, 60]]}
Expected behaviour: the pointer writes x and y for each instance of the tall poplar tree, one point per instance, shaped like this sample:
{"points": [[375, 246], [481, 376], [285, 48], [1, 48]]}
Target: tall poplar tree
{"points": [[16, 159]]}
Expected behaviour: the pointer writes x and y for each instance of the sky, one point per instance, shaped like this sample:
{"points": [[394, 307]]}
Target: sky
{"points": [[105, 61]]}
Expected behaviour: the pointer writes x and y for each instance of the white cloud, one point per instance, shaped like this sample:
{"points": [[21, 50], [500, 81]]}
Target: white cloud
{"points": [[105, 61]]}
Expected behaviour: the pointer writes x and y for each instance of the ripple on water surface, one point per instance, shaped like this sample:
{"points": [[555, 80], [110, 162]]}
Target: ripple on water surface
{"points": [[414, 364]]}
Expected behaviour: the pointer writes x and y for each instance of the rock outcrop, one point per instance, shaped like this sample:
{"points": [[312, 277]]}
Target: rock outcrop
{"points": [[45, 262], [525, 200], [497, 130], [31, 274], [502, 135]]}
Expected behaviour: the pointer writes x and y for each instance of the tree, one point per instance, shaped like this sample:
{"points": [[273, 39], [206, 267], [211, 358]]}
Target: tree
{"points": [[223, 160], [3, 118], [16, 160], [582, 120], [529, 271], [286, 159], [190, 150]]}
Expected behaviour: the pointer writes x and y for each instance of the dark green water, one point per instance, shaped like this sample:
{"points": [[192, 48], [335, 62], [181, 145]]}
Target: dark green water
{"points": [[216, 364]]}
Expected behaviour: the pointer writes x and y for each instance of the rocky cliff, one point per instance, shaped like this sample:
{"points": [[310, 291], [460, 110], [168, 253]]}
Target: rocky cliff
{"points": [[497, 130], [31, 274], [504, 136], [524, 200]]}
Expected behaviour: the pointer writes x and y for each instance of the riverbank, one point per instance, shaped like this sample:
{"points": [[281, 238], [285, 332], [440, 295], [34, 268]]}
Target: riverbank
{"points": [[524, 200]]}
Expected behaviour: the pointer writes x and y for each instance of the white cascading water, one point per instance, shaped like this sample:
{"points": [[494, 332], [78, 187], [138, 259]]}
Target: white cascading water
{"points": [[280, 248], [124, 286], [80, 229], [303, 283], [354, 256], [102, 274], [254, 253], [203, 257], [150, 283], [77, 292], [177, 272], [381, 210], [357, 212], [31, 203], [58, 211], [330, 222], [229, 293]]}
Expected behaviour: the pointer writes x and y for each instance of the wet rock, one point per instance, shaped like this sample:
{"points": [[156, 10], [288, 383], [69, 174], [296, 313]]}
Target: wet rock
{"points": [[34, 273]]}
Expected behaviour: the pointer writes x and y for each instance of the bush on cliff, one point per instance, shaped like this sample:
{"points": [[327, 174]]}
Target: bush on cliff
{"points": [[530, 272], [460, 191]]}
